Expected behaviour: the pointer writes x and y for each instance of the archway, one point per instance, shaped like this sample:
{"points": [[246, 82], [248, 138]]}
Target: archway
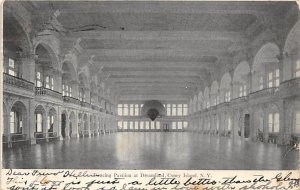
{"points": [[63, 124], [40, 124], [18, 118]]}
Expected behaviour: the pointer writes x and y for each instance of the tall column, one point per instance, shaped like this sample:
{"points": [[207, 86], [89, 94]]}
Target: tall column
{"points": [[67, 128], [283, 137], [31, 122], [235, 127], [265, 124], [252, 125], [249, 83], [89, 124], [76, 125], [45, 127]]}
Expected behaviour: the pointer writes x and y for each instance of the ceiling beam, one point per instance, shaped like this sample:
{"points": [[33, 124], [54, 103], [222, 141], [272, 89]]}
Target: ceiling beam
{"points": [[159, 36]]}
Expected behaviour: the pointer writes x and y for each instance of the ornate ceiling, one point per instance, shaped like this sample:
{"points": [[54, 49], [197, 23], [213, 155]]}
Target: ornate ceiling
{"points": [[160, 50]]}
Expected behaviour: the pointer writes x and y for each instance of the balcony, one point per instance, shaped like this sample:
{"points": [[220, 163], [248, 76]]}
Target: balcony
{"points": [[265, 93], [223, 104], [85, 104], [17, 82], [71, 100], [95, 107], [239, 100], [290, 88], [41, 91]]}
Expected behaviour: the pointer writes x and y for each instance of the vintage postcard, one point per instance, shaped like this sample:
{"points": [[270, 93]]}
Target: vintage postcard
{"points": [[150, 95]]}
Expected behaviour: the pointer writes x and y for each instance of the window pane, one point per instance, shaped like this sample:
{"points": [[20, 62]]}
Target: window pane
{"points": [[152, 125], [157, 125], [270, 122], [179, 110], [131, 109], [12, 122], [185, 124], [125, 110], [168, 109], [141, 124], [173, 125], [277, 73], [185, 109], [11, 65], [179, 125], [147, 124], [131, 125], [39, 121], [276, 122], [174, 109], [125, 125], [136, 125], [229, 124], [120, 124], [120, 109], [136, 109]]}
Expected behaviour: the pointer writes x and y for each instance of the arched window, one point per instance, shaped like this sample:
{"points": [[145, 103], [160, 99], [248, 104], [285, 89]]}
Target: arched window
{"points": [[38, 122], [15, 122], [273, 119]]}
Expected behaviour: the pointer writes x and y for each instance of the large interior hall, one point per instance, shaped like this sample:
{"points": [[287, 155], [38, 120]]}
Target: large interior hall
{"points": [[151, 85]]}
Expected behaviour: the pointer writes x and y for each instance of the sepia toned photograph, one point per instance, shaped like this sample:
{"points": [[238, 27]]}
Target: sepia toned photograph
{"points": [[166, 85]]}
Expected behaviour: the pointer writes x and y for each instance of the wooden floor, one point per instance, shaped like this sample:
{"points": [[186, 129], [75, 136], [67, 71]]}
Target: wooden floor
{"points": [[153, 150]]}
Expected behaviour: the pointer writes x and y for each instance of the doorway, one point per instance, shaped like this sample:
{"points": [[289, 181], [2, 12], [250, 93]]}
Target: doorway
{"points": [[63, 125], [247, 126]]}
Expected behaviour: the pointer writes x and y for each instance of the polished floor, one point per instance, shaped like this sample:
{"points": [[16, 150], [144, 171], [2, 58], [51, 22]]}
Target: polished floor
{"points": [[153, 150]]}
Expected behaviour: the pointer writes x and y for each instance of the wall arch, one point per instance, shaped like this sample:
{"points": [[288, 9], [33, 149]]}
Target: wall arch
{"points": [[265, 60], [291, 52], [225, 86], [240, 77]]}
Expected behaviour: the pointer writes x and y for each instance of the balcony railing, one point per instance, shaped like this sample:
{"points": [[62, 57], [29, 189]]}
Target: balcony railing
{"points": [[223, 104], [85, 104], [17, 82], [40, 135], [239, 100], [52, 135], [267, 92], [290, 88], [14, 137], [71, 100], [41, 91], [95, 107]]}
